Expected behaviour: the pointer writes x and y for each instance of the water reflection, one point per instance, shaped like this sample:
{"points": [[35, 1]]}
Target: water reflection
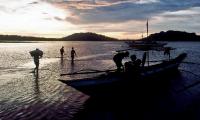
{"points": [[42, 96], [61, 62], [36, 84], [72, 66]]}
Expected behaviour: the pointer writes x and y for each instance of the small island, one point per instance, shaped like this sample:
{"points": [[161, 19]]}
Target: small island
{"points": [[88, 37], [173, 36]]}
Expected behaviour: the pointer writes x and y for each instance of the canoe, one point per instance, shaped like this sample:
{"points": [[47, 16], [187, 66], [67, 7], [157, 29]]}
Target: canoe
{"points": [[114, 80]]}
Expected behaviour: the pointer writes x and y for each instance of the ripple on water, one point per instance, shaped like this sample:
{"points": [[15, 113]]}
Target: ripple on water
{"points": [[25, 96]]}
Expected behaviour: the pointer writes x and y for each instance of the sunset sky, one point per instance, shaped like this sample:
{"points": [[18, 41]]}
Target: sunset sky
{"points": [[115, 18]]}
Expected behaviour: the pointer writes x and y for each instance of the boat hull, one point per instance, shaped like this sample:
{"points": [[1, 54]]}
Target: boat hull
{"points": [[114, 82]]}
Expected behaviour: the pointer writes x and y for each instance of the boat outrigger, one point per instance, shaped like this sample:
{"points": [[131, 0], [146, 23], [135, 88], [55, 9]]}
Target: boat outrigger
{"points": [[110, 80]]}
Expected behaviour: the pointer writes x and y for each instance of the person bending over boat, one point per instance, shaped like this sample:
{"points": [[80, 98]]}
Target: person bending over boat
{"points": [[118, 60]]}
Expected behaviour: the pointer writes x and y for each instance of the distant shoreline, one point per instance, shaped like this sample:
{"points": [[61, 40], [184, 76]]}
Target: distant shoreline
{"points": [[169, 36], [33, 41]]}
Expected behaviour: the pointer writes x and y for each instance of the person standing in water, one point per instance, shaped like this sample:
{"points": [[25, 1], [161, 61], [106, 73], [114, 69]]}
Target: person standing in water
{"points": [[62, 51], [36, 54], [73, 53]]}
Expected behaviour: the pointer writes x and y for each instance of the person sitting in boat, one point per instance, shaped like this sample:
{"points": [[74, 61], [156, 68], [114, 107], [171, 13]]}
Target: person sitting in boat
{"points": [[133, 68], [138, 62], [129, 66], [118, 60], [137, 67]]}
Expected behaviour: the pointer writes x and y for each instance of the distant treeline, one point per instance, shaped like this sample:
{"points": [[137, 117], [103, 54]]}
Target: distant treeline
{"points": [[162, 36], [173, 36], [74, 37], [23, 38]]}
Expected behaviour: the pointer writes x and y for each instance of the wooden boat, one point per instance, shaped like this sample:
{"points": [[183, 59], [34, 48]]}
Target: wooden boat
{"points": [[113, 81]]}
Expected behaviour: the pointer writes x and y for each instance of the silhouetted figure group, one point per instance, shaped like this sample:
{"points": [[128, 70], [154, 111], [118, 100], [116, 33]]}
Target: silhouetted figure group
{"points": [[73, 53], [132, 66], [37, 54]]}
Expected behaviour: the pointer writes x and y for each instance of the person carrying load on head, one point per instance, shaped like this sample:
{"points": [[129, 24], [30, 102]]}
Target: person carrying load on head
{"points": [[118, 60], [36, 54]]}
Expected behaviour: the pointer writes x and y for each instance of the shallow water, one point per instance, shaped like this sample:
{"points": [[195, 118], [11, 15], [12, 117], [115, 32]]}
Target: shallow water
{"points": [[25, 95]]}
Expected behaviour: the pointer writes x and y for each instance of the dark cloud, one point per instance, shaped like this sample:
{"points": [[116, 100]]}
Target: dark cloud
{"points": [[125, 10]]}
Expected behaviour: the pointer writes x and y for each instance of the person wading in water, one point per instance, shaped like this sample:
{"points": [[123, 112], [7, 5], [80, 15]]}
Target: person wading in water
{"points": [[36, 54], [62, 51], [73, 54]]}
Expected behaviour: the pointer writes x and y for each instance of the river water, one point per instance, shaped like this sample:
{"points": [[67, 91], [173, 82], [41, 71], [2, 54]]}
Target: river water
{"points": [[23, 95]]}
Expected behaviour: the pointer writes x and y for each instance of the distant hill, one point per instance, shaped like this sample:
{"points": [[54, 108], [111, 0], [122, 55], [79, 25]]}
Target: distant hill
{"points": [[173, 36], [23, 38], [162, 36], [74, 37], [88, 37]]}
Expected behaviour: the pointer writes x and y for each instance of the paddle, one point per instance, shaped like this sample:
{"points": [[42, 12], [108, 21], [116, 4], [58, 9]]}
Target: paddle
{"points": [[87, 72]]}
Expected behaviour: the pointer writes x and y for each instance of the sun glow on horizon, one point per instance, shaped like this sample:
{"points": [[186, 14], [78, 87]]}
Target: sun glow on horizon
{"points": [[114, 18], [36, 20]]}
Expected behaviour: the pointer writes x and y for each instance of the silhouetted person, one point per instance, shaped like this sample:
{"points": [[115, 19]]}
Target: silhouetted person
{"points": [[62, 51], [118, 59], [137, 68], [73, 54], [129, 66], [36, 54], [138, 63], [167, 51]]}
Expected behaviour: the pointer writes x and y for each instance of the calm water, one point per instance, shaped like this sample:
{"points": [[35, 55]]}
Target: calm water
{"points": [[26, 96]]}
